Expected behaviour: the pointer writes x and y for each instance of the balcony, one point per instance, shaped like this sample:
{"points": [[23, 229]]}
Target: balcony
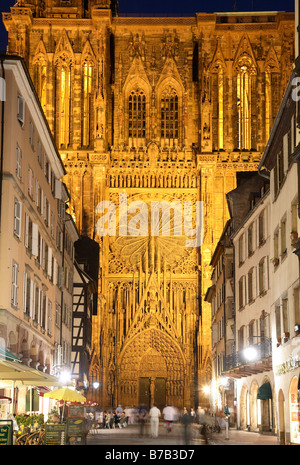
{"points": [[238, 366]]}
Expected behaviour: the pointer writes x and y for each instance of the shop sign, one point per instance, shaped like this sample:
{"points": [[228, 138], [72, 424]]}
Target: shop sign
{"points": [[6, 432], [287, 366]]}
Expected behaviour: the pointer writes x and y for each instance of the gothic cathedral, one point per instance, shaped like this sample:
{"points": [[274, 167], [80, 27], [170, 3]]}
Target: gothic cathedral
{"points": [[153, 109]]}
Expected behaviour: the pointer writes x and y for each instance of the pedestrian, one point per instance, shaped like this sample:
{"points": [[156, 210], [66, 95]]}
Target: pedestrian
{"points": [[154, 420], [142, 418], [204, 421], [169, 413], [186, 421], [119, 409], [193, 414]]}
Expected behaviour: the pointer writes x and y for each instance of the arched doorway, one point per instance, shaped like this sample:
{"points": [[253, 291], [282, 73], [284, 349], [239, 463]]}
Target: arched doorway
{"points": [[152, 379], [253, 406], [152, 368], [264, 394], [244, 408], [281, 418]]}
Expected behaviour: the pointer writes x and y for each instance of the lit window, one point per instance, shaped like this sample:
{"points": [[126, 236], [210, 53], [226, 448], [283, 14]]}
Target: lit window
{"points": [[137, 117], [244, 109], [87, 93], [221, 108], [169, 110]]}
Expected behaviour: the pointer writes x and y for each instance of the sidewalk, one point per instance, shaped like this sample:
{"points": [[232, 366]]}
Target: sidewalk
{"points": [[242, 438]]}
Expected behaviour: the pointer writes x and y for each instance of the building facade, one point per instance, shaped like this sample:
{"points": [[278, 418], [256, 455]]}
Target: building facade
{"points": [[31, 242], [252, 367], [221, 297], [279, 163], [157, 109]]}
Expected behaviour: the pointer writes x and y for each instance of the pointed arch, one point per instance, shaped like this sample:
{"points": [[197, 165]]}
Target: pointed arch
{"points": [[218, 67], [137, 96], [169, 97], [271, 67], [63, 61], [88, 78], [245, 67], [40, 72]]}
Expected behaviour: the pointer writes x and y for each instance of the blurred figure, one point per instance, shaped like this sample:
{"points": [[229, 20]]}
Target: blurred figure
{"points": [[200, 412], [110, 420], [186, 421], [154, 420], [119, 410], [193, 414], [101, 420], [169, 417], [142, 418], [205, 422]]}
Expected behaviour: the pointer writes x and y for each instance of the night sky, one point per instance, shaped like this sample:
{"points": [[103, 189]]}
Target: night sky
{"points": [[177, 7]]}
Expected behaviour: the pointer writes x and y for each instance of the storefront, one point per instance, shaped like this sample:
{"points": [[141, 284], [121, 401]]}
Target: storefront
{"points": [[288, 400]]}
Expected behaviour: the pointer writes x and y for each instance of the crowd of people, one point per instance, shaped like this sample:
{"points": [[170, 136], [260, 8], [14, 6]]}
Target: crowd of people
{"points": [[123, 417]]}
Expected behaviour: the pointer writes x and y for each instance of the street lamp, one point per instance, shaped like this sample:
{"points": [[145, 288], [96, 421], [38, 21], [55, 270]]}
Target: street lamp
{"points": [[250, 354], [65, 377], [206, 390]]}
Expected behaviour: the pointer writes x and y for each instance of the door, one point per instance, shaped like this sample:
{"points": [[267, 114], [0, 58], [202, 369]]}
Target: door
{"points": [[160, 393], [144, 391]]}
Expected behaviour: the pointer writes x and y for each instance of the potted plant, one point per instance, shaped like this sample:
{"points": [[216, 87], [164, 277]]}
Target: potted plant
{"points": [[275, 261], [294, 236]]}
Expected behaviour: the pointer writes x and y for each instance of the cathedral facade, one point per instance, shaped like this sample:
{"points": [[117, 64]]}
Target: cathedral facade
{"points": [[153, 110]]}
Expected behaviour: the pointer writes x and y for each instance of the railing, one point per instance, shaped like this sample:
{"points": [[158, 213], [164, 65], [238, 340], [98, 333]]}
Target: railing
{"points": [[238, 358]]}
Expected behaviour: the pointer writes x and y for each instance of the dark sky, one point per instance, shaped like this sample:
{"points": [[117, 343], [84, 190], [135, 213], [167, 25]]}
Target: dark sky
{"points": [[177, 7]]}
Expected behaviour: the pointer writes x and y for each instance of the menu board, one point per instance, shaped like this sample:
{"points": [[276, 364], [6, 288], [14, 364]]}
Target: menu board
{"points": [[76, 411], [55, 435], [6, 432], [76, 430]]}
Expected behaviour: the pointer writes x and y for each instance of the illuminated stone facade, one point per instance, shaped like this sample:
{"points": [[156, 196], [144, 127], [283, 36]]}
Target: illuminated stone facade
{"points": [[158, 108]]}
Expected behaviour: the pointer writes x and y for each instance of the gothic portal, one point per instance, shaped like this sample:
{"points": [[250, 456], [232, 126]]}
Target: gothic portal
{"points": [[157, 109]]}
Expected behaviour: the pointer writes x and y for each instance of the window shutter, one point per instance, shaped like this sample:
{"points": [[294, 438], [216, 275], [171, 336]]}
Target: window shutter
{"points": [[26, 241], [58, 189], [32, 298], [18, 213], [55, 272], [21, 110], [35, 239], [24, 291], [49, 265]]}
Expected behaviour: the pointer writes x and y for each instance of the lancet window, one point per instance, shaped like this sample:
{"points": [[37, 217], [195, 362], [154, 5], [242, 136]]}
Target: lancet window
{"points": [[244, 109], [63, 83], [87, 101], [221, 108], [40, 73], [268, 96], [169, 117], [137, 117]]}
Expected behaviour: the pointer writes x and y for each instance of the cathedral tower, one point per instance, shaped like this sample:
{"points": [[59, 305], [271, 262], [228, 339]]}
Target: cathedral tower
{"points": [[153, 110]]}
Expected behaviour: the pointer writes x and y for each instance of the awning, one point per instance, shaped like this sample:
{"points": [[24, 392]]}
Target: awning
{"points": [[5, 400], [17, 374], [264, 392], [6, 355]]}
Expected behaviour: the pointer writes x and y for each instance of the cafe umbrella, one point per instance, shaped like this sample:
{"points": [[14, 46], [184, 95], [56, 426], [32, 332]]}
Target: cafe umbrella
{"points": [[66, 395]]}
